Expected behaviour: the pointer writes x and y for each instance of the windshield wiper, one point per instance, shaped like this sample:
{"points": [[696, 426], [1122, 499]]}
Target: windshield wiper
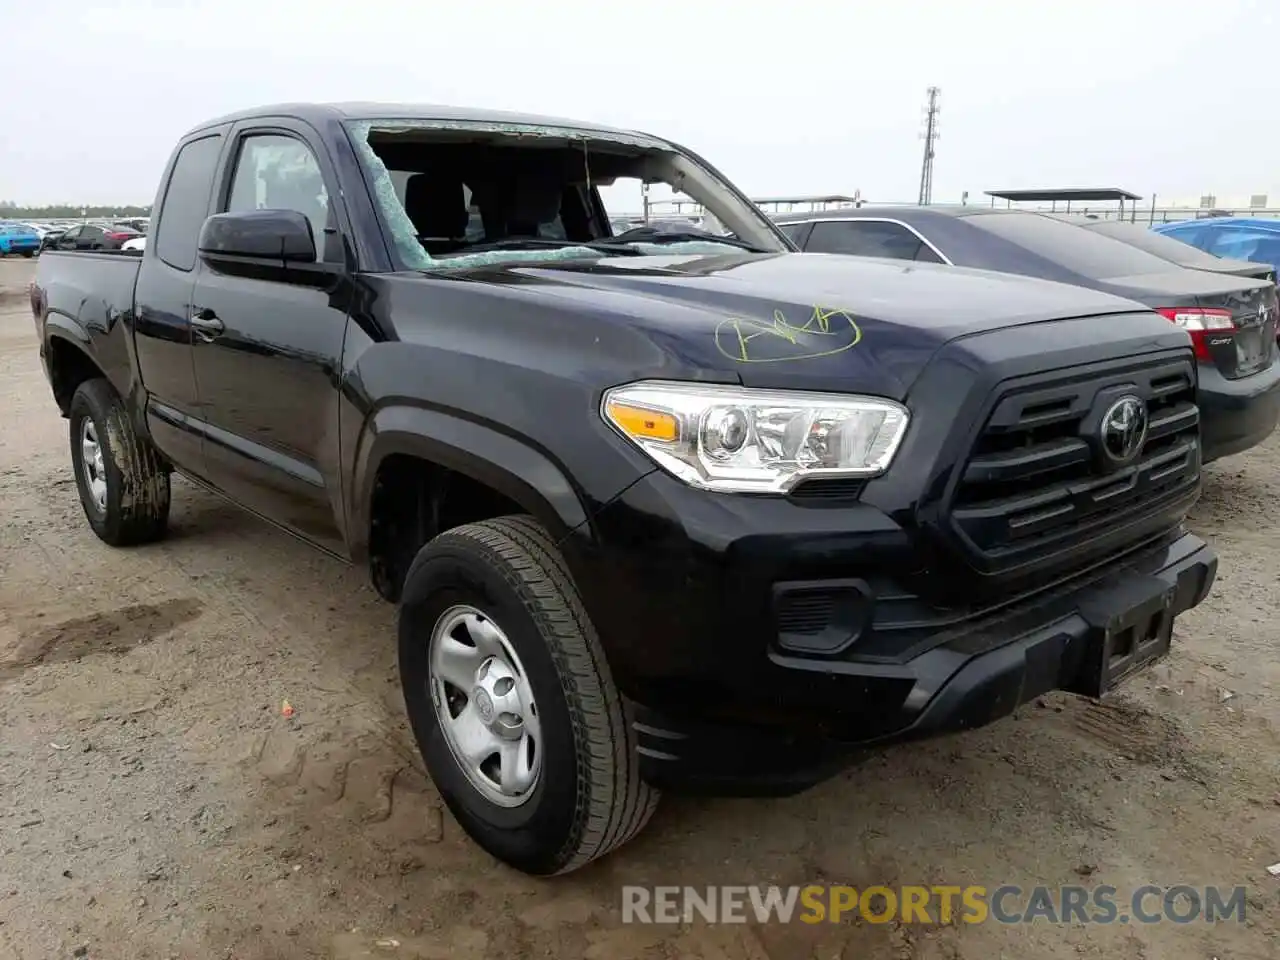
{"points": [[537, 243], [654, 235]]}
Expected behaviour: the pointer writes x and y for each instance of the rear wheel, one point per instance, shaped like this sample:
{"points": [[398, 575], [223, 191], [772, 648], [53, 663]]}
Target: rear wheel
{"points": [[512, 703], [123, 483]]}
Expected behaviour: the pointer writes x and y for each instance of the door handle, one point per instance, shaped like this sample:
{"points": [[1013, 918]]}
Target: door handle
{"points": [[206, 322]]}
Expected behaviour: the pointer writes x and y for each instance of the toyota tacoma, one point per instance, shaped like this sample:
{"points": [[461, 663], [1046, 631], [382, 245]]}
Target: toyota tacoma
{"points": [[662, 509]]}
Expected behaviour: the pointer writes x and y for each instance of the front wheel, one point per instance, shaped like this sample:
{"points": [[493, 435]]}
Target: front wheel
{"points": [[124, 486], [512, 703]]}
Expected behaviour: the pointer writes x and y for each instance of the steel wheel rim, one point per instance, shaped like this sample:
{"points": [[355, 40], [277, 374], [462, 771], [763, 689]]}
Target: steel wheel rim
{"points": [[95, 468], [485, 706]]}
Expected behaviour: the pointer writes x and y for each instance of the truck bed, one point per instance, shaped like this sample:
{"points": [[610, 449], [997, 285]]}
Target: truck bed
{"points": [[74, 282], [89, 294]]}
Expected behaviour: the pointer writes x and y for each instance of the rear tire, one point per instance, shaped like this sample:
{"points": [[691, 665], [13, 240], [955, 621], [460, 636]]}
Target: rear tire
{"points": [[587, 797], [122, 479]]}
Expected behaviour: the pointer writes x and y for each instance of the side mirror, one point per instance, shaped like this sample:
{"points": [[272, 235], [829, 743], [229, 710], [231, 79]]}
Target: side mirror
{"points": [[283, 236]]}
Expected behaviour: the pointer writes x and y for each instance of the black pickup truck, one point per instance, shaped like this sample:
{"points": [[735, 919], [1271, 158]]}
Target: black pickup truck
{"points": [[662, 509]]}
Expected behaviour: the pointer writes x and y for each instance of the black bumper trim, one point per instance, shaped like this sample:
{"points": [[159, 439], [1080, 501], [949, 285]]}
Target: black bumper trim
{"points": [[954, 687], [1237, 414]]}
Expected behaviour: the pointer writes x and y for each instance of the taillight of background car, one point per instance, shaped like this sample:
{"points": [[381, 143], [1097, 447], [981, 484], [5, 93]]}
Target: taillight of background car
{"points": [[1201, 323]]}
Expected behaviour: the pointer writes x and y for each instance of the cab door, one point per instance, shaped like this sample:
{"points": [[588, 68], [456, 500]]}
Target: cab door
{"points": [[267, 349], [162, 302]]}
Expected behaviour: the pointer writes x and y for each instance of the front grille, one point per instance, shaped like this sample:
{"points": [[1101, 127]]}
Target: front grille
{"points": [[1035, 480]]}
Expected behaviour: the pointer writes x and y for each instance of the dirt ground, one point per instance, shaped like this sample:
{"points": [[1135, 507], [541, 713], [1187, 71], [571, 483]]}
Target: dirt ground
{"points": [[154, 802]]}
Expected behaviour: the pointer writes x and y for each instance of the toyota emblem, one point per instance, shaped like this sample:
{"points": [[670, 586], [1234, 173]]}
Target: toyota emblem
{"points": [[484, 705], [1123, 429]]}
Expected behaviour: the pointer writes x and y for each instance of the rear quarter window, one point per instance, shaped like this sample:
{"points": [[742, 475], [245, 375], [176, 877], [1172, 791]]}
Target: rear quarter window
{"points": [[1077, 249], [794, 231], [186, 201]]}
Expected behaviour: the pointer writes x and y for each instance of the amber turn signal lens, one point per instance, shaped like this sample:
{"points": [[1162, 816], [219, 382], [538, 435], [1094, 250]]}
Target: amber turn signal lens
{"points": [[643, 424]]}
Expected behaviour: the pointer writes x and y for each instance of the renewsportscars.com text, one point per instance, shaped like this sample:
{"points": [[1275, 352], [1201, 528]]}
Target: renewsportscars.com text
{"points": [[1011, 904]]}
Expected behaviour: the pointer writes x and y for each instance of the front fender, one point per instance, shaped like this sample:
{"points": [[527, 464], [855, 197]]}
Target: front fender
{"points": [[514, 468]]}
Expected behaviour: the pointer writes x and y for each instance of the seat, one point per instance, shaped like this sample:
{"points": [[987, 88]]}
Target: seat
{"points": [[437, 206], [488, 199], [534, 209]]}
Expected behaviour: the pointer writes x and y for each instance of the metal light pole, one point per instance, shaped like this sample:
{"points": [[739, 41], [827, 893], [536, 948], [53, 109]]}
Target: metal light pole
{"points": [[930, 135]]}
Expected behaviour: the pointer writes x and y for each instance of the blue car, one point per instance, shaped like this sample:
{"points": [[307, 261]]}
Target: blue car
{"points": [[1239, 238], [18, 238]]}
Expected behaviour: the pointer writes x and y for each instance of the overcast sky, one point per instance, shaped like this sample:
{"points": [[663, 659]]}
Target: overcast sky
{"points": [[1178, 97]]}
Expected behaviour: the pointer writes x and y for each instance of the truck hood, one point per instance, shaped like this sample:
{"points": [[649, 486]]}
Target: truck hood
{"points": [[816, 321]]}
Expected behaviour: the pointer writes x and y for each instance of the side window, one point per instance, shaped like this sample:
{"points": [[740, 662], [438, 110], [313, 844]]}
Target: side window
{"points": [[864, 238], [275, 172], [72, 234], [186, 202], [91, 233], [925, 254], [475, 221], [1238, 243]]}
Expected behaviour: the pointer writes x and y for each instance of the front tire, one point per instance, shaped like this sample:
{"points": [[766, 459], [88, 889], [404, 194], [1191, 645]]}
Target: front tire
{"points": [[123, 483], [512, 702]]}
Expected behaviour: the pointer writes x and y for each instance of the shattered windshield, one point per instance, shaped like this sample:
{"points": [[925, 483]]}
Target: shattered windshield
{"points": [[469, 194]]}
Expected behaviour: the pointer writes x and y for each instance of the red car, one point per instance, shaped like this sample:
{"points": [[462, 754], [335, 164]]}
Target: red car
{"points": [[95, 236]]}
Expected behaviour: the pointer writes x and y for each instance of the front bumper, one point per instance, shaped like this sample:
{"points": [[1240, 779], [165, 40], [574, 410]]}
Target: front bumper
{"points": [[950, 688], [1236, 414], [720, 707]]}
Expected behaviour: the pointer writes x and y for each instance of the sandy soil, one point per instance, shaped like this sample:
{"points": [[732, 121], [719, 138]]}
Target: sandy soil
{"points": [[154, 803]]}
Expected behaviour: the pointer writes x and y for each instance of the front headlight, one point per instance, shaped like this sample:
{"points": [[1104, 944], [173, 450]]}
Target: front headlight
{"points": [[739, 440]]}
